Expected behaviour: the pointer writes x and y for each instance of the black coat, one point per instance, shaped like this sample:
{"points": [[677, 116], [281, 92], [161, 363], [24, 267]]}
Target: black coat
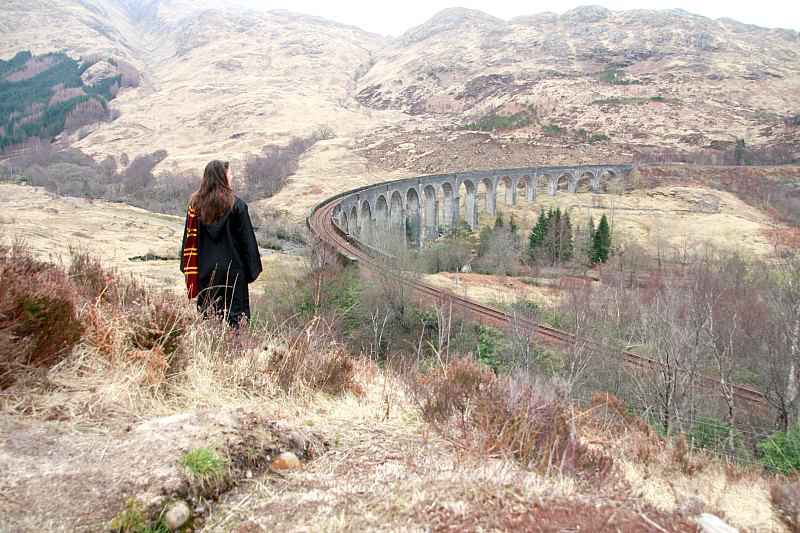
{"points": [[228, 260]]}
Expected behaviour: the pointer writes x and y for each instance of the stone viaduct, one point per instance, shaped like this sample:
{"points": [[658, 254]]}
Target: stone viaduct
{"points": [[421, 208]]}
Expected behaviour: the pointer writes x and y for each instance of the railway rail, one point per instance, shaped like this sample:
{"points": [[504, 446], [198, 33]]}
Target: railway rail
{"points": [[321, 224]]}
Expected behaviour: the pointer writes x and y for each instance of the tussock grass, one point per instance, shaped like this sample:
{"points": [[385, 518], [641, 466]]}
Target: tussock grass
{"points": [[208, 471], [402, 442], [666, 474], [202, 462], [511, 415], [140, 352]]}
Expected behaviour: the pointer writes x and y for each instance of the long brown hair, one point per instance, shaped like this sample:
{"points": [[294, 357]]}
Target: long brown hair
{"points": [[215, 196]]}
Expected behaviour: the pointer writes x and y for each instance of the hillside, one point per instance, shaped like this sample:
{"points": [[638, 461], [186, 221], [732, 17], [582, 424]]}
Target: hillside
{"points": [[218, 80], [281, 427], [349, 402], [666, 79], [221, 81]]}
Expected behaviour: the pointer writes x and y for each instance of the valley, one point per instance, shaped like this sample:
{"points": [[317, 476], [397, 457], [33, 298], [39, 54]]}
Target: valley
{"points": [[641, 375]]}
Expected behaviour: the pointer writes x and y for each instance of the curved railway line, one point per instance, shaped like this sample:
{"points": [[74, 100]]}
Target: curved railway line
{"points": [[321, 224]]}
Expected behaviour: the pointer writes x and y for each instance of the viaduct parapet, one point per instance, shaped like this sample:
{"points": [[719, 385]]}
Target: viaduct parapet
{"points": [[423, 207]]}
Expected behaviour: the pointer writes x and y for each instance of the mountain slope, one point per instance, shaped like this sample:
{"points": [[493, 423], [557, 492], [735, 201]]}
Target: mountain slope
{"points": [[215, 81], [662, 77], [229, 83], [80, 27], [222, 80]]}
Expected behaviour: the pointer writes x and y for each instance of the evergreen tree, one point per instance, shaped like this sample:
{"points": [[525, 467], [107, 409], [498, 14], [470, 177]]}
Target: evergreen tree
{"points": [[602, 242], [537, 235], [553, 237], [485, 240], [514, 229], [566, 248], [498, 222], [589, 242]]}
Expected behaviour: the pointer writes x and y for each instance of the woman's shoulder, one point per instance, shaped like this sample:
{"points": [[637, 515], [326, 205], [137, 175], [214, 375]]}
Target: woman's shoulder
{"points": [[239, 205]]}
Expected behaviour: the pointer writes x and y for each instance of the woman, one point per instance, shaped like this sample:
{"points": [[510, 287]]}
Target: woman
{"points": [[219, 252]]}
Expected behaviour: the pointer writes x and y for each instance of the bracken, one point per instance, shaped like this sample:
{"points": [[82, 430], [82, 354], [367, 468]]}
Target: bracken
{"points": [[38, 317]]}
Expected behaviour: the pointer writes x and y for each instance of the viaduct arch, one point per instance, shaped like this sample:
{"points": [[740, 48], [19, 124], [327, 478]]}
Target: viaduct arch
{"points": [[421, 208]]}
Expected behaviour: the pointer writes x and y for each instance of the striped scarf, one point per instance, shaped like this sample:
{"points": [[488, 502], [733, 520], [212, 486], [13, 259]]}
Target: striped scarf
{"points": [[190, 254]]}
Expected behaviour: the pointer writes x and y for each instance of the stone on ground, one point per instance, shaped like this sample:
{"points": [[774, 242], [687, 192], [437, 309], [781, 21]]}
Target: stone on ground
{"points": [[286, 461], [177, 515], [713, 524]]}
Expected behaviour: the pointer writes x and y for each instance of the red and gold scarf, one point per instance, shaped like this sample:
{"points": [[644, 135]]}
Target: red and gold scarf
{"points": [[190, 254]]}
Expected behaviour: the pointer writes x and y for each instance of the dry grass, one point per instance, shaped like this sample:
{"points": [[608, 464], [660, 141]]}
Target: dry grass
{"points": [[668, 476], [386, 468], [212, 366], [459, 447], [490, 289], [785, 499], [153, 354], [512, 416], [667, 218]]}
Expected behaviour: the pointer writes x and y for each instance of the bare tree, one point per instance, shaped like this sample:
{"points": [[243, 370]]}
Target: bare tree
{"points": [[579, 305], [783, 295], [676, 348]]}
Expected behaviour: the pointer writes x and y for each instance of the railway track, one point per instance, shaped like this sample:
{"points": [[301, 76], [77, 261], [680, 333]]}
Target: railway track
{"points": [[320, 222]]}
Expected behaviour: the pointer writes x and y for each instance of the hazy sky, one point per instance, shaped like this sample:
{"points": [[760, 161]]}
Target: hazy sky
{"points": [[395, 17]]}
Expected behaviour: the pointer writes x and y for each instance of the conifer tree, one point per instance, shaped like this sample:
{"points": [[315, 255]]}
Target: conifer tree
{"points": [[602, 242], [498, 221], [566, 245], [537, 235], [553, 237], [590, 241], [514, 230]]}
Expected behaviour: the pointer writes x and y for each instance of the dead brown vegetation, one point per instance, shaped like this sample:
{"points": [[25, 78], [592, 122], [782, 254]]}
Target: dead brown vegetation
{"points": [[83, 324], [785, 499], [313, 359], [39, 321], [771, 188], [509, 415]]}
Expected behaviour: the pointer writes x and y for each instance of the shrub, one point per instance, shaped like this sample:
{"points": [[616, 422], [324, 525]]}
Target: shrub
{"points": [[614, 76], [158, 324], [781, 451], [38, 315], [499, 414], [444, 393], [553, 130], [155, 334], [785, 501], [713, 434], [447, 255], [312, 360], [489, 340], [89, 275], [493, 121]]}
